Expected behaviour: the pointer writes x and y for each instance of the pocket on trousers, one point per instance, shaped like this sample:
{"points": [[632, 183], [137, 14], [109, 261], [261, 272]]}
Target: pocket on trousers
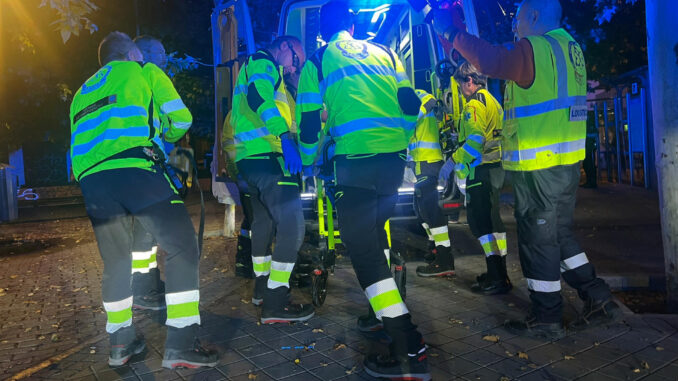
{"points": [[538, 228]]}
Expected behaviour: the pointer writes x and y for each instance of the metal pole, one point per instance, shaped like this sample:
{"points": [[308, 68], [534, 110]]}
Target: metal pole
{"points": [[595, 117], [136, 15], [643, 112], [617, 138], [608, 154], [630, 137]]}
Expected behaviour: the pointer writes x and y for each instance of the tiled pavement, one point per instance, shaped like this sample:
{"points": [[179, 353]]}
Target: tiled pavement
{"points": [[51, 311]]}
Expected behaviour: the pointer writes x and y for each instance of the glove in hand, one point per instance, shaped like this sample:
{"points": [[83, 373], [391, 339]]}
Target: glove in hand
{"points": [[446, 170], [290, 153]]}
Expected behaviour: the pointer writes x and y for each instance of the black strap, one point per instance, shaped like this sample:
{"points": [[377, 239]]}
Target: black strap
{"points": [[130, 153], [317, 59], [108, 100]]}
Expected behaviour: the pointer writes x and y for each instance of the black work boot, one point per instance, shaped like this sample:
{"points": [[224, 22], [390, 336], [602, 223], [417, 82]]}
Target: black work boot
{"points": [[495, 281], [596, 314], [407, 358], [260, 286], [430, 252], [279, 309], [369, 322], [530, 327], [243, 258], [442, 266], [183, 350], [124, 344]]}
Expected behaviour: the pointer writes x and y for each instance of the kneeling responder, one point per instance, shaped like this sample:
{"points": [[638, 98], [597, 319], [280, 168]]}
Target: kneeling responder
{"points": [[268, 159], [424, 151], [543, 141], [113, 157], [478, 161], [372, 110]]}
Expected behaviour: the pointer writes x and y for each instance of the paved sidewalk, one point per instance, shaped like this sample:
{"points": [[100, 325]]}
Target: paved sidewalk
{"points": [[53, 323]]}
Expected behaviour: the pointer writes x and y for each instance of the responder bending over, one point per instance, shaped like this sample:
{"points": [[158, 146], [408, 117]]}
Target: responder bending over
{"points": [[543, 142], [372, 110], [424, 150], [147, 287], [478, 160], [268, 160], [111, 140]]}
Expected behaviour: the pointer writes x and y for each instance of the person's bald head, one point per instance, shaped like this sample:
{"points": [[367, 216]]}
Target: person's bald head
{"points": [[536, 17]]}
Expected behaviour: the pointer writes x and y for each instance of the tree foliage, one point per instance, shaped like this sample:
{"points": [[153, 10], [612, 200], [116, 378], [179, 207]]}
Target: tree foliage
{"points": [[73, 16]]}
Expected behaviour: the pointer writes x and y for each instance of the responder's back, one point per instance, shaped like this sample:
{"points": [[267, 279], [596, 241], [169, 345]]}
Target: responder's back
{"points": [[483, 116], [545, 124], [258, 126], [359, 86], [109, 115]]}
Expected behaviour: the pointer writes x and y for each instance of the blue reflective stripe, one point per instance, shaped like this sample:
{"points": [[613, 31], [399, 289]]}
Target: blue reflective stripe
{"points": [[264, 76], [423, 116], [556, 148], [173, 105], [309, 98], [472, 151], [348, 71], [427, 145], [117, 112], [402, 77], [110, 134], [544, 107], [476, 138], [182, 125], [307, 150], [266, 115], [240, 89], [251, 135], [368, 123], [561, 66]]}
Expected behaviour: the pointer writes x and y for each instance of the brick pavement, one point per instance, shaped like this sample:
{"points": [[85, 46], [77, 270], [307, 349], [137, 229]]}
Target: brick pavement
{"points": [[53, 288]]}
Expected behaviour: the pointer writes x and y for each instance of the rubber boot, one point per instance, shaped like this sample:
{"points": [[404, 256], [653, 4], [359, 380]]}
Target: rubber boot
{"points": [[442, 266], [279, 309], [243, 258], [183, 349], [495, 281], [369, 322], [260, 286], [124, 344]]}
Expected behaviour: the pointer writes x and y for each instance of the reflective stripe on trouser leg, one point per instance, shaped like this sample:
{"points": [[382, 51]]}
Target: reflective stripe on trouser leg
{"points": [[118, 314], [441, 236], [261, 265], [543, 285], [489, 244], [573, 262], [144, 261], [182, 308], [385, 299], [501, 243], [428, 231], [280, 274]]}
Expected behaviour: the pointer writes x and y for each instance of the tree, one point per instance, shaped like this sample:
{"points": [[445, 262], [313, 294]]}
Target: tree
{"points": [[662, 43]]}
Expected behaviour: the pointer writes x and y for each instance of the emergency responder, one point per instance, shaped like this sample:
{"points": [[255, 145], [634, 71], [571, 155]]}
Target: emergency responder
{"points": [[478, 161], [113, 159], [543, 142], [424, 151], [147, 287], [268, 159], [372, 110]]}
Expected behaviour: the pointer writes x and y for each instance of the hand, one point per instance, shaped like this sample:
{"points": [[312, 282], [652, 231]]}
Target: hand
{"points": [[290, 153], [448, 22], [446, 170]]}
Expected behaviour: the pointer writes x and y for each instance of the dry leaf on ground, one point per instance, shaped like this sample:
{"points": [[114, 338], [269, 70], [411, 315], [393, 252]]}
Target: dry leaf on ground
{"points": [[491, 338]]}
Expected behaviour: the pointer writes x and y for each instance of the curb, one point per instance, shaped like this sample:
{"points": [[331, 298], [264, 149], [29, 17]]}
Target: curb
{"points": [[626, 282]]}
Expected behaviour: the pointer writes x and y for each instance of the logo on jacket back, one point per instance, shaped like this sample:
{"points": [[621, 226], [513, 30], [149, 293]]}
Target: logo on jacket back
{"points": [[577, 60], [353, 49]]}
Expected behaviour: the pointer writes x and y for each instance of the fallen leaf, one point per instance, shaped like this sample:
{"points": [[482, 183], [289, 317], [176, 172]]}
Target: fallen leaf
{"points": [[323, 363], [251, 376], [13, 276], [55, 338], [244, 301], [491, 338], [297, 361], [504, 379], [352, 370], [455, 321], [509, 354], [318, 330], [569, 357], [511, 305], [636, 370], [41, 337], [659, 348], [92, 351], [339, 346], [645, 365], [523, 355], [234, 308], [533, 366], [434, 355]]}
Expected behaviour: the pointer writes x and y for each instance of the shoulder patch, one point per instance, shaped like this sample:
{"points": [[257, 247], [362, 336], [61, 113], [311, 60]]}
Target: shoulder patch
{"points": [[480, 97]]}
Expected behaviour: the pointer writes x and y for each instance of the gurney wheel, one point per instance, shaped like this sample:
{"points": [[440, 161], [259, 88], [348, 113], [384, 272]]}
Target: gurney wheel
{"points": [[319, 287]]}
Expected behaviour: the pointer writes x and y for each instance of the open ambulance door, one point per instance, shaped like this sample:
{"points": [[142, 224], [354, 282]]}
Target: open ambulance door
{"points": [[232, 42]]}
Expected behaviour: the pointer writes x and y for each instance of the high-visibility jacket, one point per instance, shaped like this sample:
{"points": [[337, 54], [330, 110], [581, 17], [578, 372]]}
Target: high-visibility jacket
{"points": [[545, 124], [480, 130], [358, 82], [258, 130], [110, 114], [425, 142]]}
